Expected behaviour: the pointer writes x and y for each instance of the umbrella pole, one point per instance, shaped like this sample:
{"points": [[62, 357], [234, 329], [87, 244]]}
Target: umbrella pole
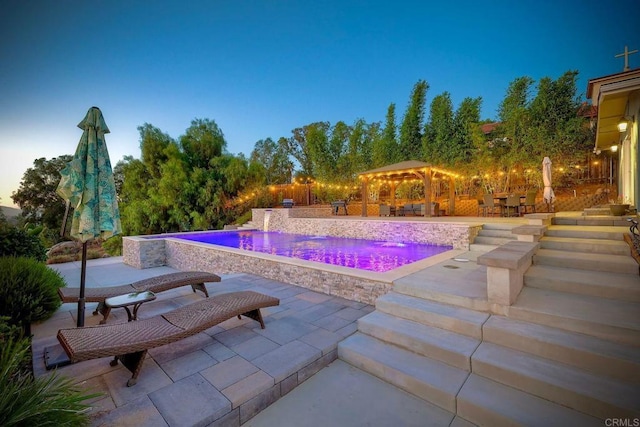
{"points": [[64, 221], [83, 274]]}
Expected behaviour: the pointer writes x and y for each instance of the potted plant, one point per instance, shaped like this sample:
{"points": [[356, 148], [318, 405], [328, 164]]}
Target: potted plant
{"points": [[618, 208]]}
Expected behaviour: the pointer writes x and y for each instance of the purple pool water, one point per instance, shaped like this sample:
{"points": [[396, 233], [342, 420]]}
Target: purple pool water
{"points": [[362, 254]]}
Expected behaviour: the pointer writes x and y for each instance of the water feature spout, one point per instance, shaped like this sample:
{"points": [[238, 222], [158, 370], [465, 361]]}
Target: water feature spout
{"points": [[267, 216]]}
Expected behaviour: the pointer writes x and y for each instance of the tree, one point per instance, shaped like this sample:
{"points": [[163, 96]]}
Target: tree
{"points": [[3, 217], [186, 186], [358, 156], [437, 143], [556, 129], [274, 159], [202, 142], [411, 127], [37, 196], [385, 148], [306, 142], [330, 164], [465, 124], [153, 143]]}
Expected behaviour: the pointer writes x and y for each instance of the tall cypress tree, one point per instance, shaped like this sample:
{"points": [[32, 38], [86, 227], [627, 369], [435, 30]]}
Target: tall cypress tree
{"points": [[411, 128], [439, 130]]}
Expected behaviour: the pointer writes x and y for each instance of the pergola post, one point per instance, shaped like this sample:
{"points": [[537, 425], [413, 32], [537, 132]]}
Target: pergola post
{"points": [[393, 193], [452, 196], [427, 192], [364, 196]]}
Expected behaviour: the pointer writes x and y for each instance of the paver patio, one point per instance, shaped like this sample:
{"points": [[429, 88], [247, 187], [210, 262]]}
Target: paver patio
{"points": [[223, 376]]}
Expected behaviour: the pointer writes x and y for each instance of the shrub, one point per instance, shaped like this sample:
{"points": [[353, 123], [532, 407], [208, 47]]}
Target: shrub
{"points": [[29, 401], [244, 218], [19, 243], [29, 290], [49, 237], [113, 246]]}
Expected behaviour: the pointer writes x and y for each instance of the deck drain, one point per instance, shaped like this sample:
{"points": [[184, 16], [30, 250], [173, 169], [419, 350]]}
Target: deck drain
{"points": [[451, 266]]}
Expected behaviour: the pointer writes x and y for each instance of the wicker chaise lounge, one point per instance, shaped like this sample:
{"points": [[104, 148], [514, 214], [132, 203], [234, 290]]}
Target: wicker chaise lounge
{"points": [[196, 279], [129, 342]]}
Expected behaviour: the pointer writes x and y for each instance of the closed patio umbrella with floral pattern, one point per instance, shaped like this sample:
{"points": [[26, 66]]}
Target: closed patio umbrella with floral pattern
{"points": [[88, 186]]}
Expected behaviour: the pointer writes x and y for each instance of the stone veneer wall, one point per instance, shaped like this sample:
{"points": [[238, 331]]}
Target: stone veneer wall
{"points": [[199, 257], [457, 235], [357, 286], [142, 253]]}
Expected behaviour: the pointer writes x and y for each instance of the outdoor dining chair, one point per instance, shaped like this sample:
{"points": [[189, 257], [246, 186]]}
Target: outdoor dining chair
{"points": [[529, 201], [513, 202], [482, 208], [490, 205]]}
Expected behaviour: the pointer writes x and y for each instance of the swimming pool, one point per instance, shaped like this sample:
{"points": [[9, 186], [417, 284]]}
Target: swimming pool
{"points": [[371, 255]]}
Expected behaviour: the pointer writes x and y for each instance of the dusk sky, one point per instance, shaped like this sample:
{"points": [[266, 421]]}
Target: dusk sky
{"points": [[263, 68]]}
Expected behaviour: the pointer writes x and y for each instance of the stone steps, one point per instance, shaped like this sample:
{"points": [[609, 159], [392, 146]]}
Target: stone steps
{"points": [[613, 320], [488, 403], [438, 284], [568, 352], [599, 356], [595, 283], [482, 247], [250, 225], [498, 226], [439, 344], [586, 261], [594, 220], [431, 380], [494, 234], [455, 319], [499, 232], [575, 388], [575, 244], [495, 241], [592, 232]]}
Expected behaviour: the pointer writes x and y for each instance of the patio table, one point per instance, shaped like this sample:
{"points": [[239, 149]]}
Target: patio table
{"points": [[135, 299]]}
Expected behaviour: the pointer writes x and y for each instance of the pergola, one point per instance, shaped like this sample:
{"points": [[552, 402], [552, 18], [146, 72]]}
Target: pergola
{"points": [[410, 169]]}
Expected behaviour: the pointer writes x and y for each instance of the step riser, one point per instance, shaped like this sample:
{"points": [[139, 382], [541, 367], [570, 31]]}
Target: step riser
{"points": [[592, 265], [558, 285], [479, 304], [494, 226], [423, 345], [586, 247], [507, 234], [481, 247], [491, 240], [488, 403], [611, 333], [429, 318], [622, 369], [578, 398], [358, 357], [397, 378], [580, 234], [593, 220]]}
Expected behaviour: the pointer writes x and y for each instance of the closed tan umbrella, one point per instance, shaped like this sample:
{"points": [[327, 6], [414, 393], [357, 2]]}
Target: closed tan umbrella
{"points": [[548, 194]]}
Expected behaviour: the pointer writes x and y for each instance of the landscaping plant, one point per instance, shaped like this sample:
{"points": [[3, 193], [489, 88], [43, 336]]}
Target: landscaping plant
{"points": [[29, 401], [19, 243], [29, 291]]}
